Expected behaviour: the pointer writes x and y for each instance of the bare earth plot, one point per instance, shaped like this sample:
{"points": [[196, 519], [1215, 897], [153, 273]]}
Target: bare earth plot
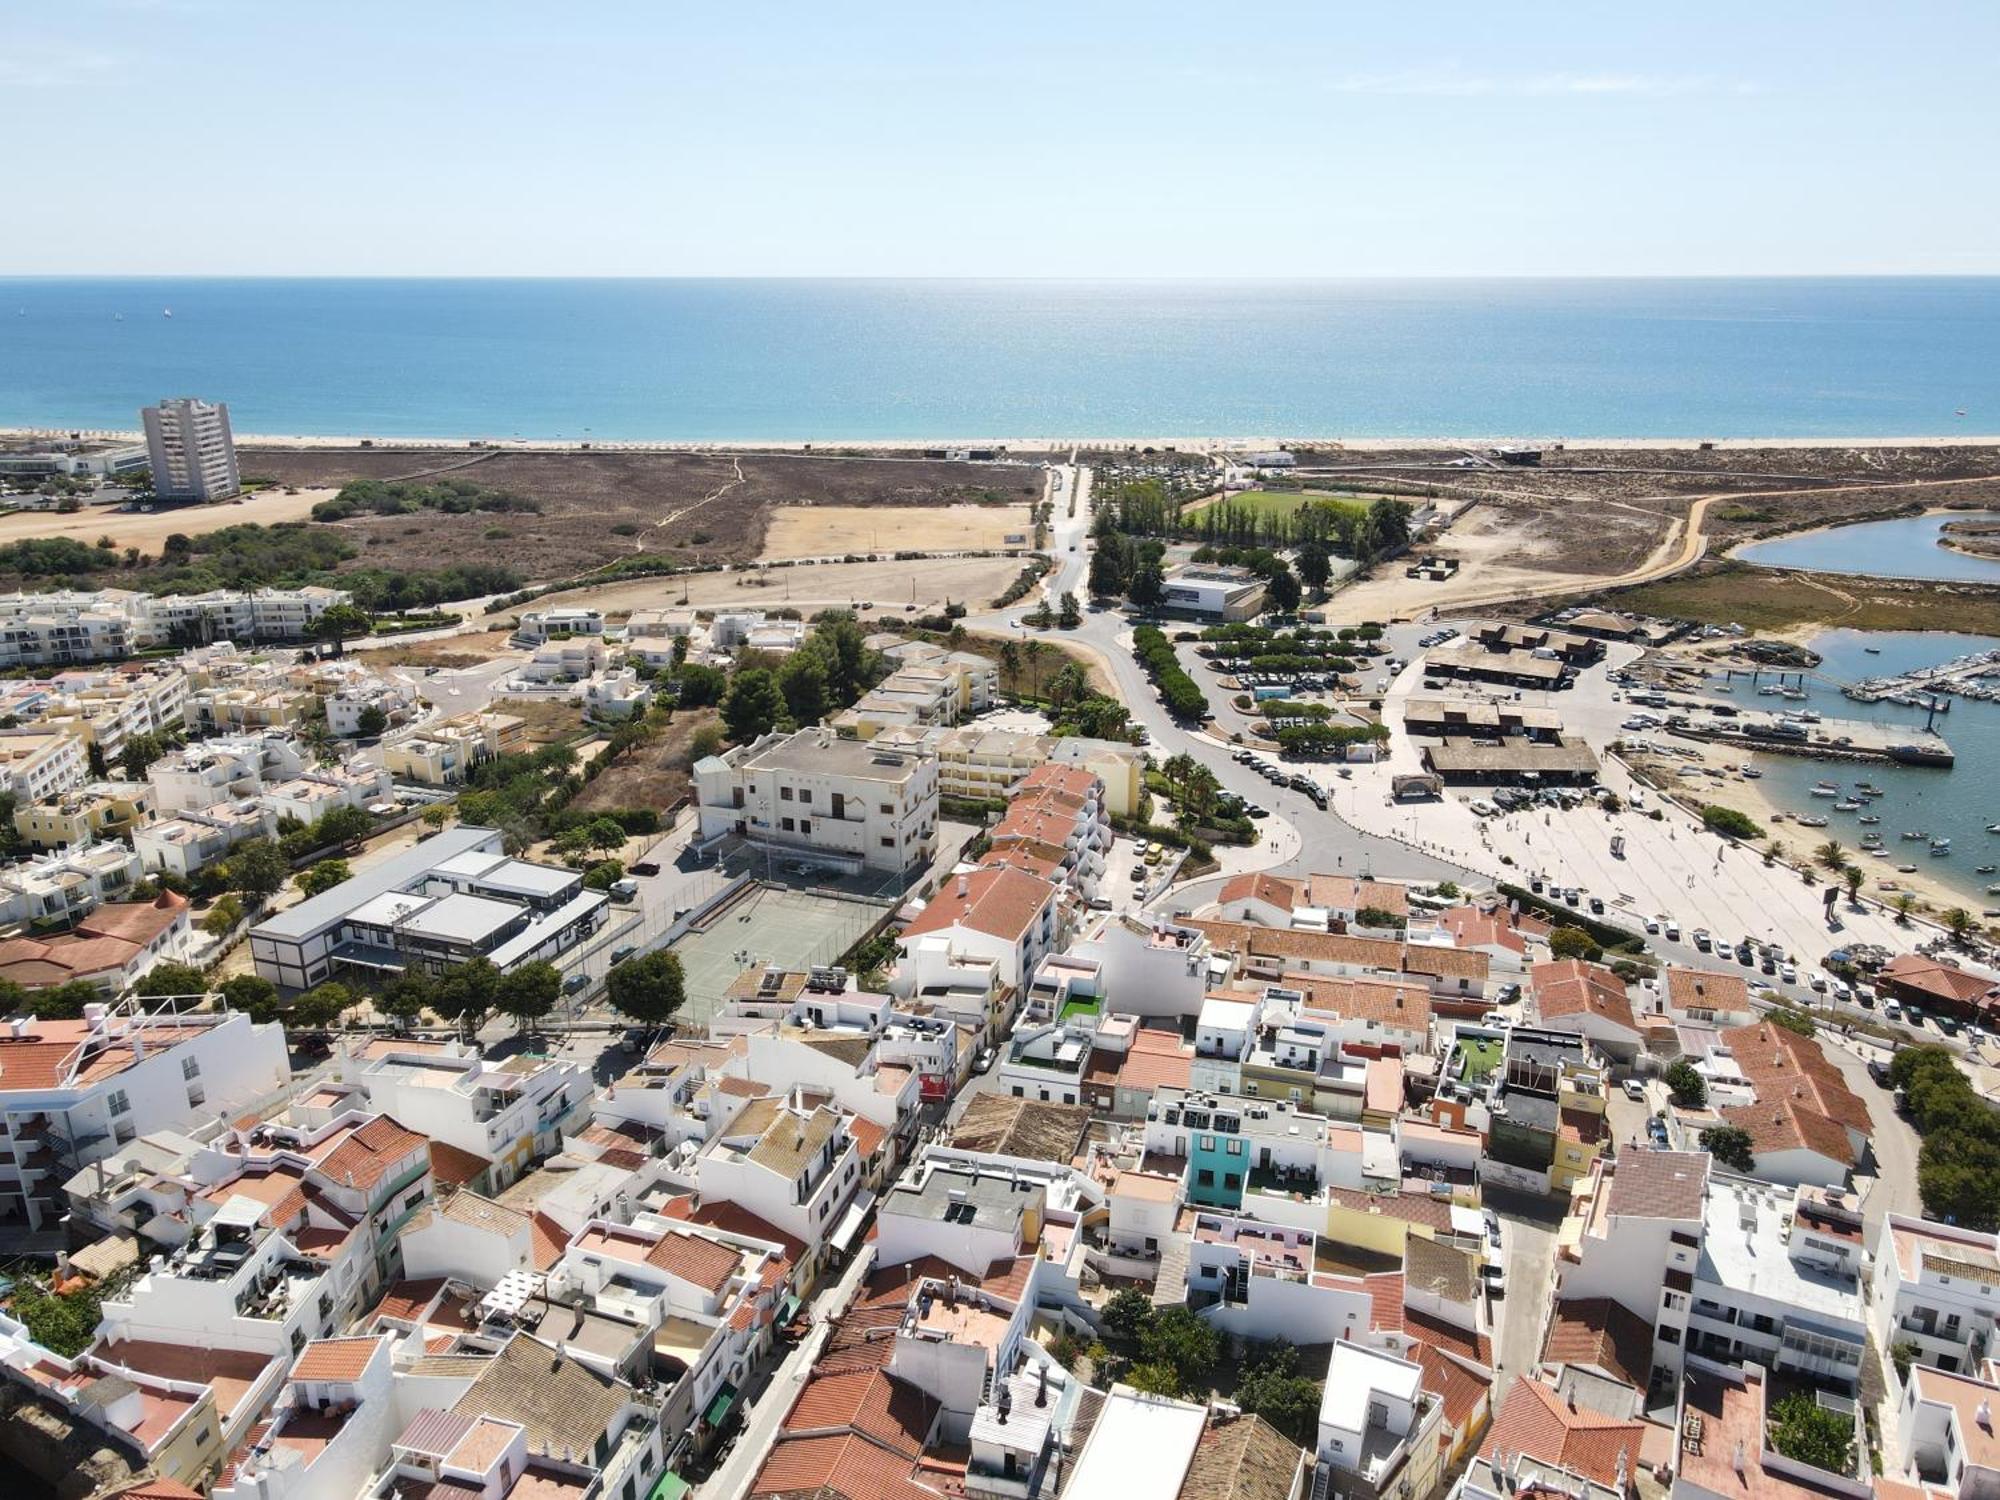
{"points": [[148, 532], [836, 530], [885, 588]]}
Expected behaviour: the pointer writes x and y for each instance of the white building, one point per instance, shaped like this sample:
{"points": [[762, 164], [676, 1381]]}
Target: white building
{"points": [[1372, 1415], [223, 770], [59, 630], [36, 763], [74, 1091], [1935, 1287], [1214, 592], [231, 615], [539, 626], [507, 1113], [997, 912], [66, 884], [190, 843], [792, 1165], [189, 446], [819, 798]]}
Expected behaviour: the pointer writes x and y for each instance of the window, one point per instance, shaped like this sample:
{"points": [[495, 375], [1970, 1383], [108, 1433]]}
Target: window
{"points": [[888, 843], [1672, 1335], [1232, 1181], [197, 1096], [120, 1104], [190, 1067], [1235, 1146], [805, 794], [1017, 1091], [888, 810], [1204, 1177], [784, 794], [786, 824]]}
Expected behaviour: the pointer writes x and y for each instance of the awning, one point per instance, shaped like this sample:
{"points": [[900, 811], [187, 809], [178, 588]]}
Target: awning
{"points": [[788, 1309], [719, 1406], [670, 1487], [849, 1228]]}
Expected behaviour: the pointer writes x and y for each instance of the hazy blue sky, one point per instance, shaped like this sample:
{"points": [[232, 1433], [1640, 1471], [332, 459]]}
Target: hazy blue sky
{"points": [[1087, 137]]}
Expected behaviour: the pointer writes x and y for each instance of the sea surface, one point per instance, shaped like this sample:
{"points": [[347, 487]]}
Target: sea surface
{"points": [[1956, 804], [1906, 547], [811, 360]]}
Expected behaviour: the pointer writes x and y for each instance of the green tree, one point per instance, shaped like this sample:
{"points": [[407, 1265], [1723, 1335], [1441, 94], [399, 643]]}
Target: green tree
{"points": [[171, 979], [370, 722], [1958, 921], [1272, 1387], [851, 667], [604, 874], [1791, 1019], [1728, 822], [319, 741], [1127, 1314], [65, 1325], [529, 992], [1148, 586], [323, 1005], [1730, 1145], [1574, 942], [340, 624], [1854, 879], [1905, 904], [1315, 566], [1070, 685], [257, 869], [407, 996], [1808, 1433], [1155, 1378], [647, 989], [1689, 1089], [1282, 589], [436, 816], [252, 994], [222, 916], [802, 679], [1831, 856], [706, 741], [1181, 1339], [752, 705], [1069, 614], [607, 833], [698, 685], [1108, 565], [342, 825], [466, 992], [324, 876]]}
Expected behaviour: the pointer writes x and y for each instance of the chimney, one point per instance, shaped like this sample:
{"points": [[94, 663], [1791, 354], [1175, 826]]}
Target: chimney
{"points": [[1984, 1415], [964, 886], [1738, 1461]]}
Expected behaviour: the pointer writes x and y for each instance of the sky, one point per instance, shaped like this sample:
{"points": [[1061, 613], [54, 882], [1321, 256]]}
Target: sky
{"points": [[1089, 138]]}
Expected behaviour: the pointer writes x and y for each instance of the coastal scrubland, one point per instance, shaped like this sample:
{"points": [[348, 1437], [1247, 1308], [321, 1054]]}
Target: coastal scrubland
{"points": [[594, 508], [1776, 602]]}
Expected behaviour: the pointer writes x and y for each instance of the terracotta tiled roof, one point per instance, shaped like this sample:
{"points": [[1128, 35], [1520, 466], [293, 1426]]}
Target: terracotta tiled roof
{"points": [[1790, 1125], [1271, 889], [1345, 893], [872, 1402], [1401, 1004], [453, 1167], [1447, 1336], [1601, 1333], [1413, 1208], [159, 1487], [695, 1260], [1571, 987], [1005, 1279], [335, 1359], [1659, 1184], [1535, 1421], [1459, 1385], [1945, 981], [1002, 903], [1781, 1064], [370, 1153], [1472, 928], [1699, 989], [548, 1238], [868, 1136], [1244, 1459], [844, 1466], [731, 1219]]}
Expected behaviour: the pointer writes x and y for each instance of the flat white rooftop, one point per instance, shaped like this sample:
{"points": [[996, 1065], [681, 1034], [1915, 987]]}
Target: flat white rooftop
{"points": [[1355, 1375], [1743, 1249], [1142, 1446]]}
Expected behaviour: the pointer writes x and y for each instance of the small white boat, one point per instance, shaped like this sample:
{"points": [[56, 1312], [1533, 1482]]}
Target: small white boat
{"points": [[1810, 822], [1913, 837], [1870, 819], [1986, 869], [1847, 807], [1940, 848], [167, 313], [1993, 827], [1906, 869], [1826, 789]]}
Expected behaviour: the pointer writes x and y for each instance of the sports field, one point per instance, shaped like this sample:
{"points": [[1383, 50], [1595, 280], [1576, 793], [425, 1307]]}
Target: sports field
{"points": [[1284, 502]]}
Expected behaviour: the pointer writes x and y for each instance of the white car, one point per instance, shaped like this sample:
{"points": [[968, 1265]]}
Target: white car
{"points": [[1673, 930], [1634, 1089], [1652, 924]]}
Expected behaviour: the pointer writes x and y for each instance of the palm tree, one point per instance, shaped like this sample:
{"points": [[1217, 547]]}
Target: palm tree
{"points": [[319, 740], [1773, 852], [1035, 651], [1905, 904], [1831, 855], [1010, 660], [1854, 877], [1959, 920], [1199, 794]]}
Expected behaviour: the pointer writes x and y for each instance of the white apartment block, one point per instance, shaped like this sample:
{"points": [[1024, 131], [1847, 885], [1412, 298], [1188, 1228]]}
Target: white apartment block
{"points": [[996, 912], [792, 1165], [233, 615], [74, 458], [189, 446], [74, 1091], [190, 842], [311, 796], [223, 770], [109, 708], [1935, 1287], [36, 762], [822, 799], [66, 883], [508, 1113], [60, 630]]}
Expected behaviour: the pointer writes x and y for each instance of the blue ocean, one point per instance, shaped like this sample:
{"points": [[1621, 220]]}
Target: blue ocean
{"points": [[695, 360]]}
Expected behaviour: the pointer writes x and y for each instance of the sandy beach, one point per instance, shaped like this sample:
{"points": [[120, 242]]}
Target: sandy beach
{"points": [[1220, 446]]}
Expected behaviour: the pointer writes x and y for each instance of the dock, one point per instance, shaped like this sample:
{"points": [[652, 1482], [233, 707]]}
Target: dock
{"points": [[1975, 676], [1816, 738]]}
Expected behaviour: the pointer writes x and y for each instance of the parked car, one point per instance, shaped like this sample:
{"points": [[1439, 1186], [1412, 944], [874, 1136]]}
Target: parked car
{"points": [[984, 1061], [576, 983], [1634, 1089], [1494, 1275], [646, 867], [619, 955], [1138, 873]]}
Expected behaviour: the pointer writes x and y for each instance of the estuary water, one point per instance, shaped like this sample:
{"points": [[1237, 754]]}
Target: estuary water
{"points": [[1905, 547]]}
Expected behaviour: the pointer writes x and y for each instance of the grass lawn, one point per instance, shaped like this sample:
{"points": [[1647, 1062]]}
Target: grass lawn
{"points": [[1482, 1056], [1284, 502], [1074, 1009]]}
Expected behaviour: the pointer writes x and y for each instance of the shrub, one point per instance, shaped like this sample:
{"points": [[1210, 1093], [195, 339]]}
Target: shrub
{"points": [[1728, 822]]}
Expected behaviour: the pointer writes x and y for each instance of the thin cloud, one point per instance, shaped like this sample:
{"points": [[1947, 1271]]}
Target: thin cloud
{"points": [[54, 65], [1456, 83]]}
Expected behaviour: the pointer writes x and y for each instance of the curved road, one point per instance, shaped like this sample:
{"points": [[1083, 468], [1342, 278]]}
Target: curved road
{"points": [[1328, 844]]}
